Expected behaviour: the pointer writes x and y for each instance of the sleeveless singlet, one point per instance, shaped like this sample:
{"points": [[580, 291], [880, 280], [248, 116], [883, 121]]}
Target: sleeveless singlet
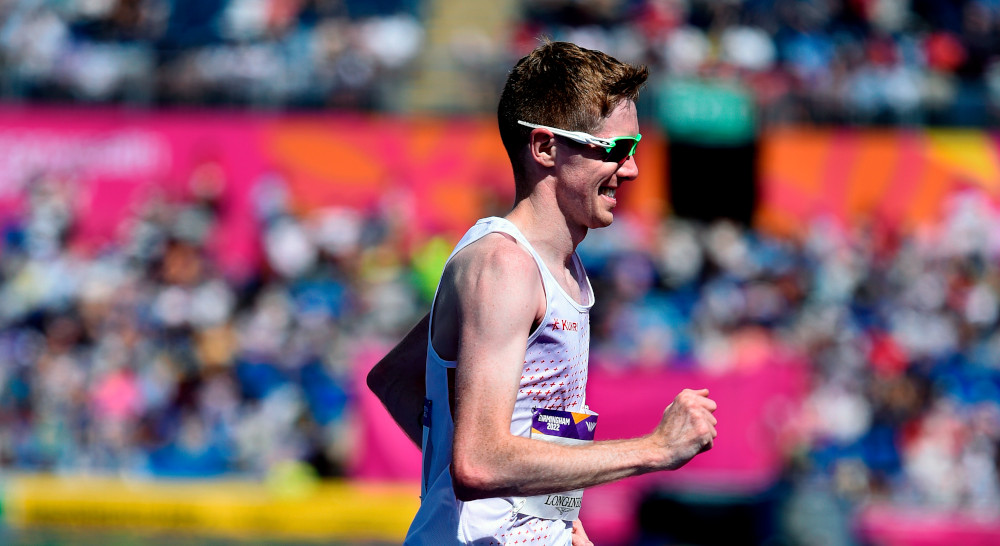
{"points": [[554, 377]]}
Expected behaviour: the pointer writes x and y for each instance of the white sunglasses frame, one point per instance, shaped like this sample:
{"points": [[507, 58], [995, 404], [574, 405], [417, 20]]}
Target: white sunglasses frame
{"points": [[585, 138]]}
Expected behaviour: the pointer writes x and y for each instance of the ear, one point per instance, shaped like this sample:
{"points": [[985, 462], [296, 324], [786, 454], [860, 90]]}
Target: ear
{"points": [[542, 147]]}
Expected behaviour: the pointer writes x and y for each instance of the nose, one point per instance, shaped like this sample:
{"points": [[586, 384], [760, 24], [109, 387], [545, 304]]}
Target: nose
{"points": [[629, 169]]}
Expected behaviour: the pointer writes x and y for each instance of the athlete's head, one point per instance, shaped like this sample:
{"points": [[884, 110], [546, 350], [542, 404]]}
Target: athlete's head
{"points": [[562, 85]]}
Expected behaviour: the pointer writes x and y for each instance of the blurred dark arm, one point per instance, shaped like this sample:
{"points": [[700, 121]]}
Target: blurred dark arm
{"points": [[398, 380]]}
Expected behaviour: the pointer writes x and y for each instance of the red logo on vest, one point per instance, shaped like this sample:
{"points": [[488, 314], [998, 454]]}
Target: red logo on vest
{"points": [[563, 324]]}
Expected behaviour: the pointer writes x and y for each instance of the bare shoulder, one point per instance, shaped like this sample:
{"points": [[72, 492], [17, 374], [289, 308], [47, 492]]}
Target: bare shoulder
{"points": [[496, 251], [498, 264]]}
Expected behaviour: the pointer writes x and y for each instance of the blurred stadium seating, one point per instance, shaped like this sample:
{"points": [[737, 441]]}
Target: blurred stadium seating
{"points": [[867, 62], [215, 212]]}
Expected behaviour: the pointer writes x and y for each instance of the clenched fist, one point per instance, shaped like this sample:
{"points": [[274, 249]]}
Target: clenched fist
{"points": [[687, 428]]}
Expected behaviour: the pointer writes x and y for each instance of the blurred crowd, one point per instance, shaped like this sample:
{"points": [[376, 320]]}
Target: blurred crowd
{"points": [[260, 53], [822, 61], [144, 359]]}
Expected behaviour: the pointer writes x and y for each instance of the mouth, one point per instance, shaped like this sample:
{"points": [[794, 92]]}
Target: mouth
{"points": [[608, 192]]}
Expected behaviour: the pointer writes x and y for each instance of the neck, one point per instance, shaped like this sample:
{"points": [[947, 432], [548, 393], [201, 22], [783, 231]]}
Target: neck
{"points": [[546, 228]]}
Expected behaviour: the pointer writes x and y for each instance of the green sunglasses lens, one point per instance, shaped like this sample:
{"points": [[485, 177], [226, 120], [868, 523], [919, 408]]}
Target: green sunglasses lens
{"points": [[623, 148]]}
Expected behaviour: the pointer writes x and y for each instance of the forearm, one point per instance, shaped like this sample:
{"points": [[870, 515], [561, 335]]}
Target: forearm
{"points": [[398, 380], [489, 464], [519, 466]]}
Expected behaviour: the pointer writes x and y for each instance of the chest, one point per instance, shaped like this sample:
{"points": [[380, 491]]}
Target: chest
{"points": [[571, 279], [556, 360]]}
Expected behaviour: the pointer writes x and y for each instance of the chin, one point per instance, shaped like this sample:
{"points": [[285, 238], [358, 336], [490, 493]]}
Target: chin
{"points": [[602, 222]]}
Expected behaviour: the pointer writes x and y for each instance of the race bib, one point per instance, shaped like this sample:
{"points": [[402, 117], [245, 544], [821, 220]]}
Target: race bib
{"points": [[566, 428]]}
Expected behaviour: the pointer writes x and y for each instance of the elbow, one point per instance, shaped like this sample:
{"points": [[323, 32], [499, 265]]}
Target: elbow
{"points": [[376, 382], [473, 480]]}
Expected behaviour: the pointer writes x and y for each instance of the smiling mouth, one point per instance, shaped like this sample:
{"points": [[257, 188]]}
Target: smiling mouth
{"points": [[607, 191]]}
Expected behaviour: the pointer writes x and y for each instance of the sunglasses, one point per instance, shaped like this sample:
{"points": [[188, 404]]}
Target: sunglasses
{"points": [[618, 148]]}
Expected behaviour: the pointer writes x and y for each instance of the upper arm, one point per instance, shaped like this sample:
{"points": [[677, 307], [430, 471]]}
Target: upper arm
{"points": [[499, 297]]}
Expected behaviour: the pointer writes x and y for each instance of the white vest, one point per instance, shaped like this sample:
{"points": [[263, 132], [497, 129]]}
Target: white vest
{"points": [[554, 377]]}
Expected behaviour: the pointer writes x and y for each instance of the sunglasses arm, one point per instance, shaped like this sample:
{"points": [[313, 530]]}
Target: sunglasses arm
{"points": [[578, 136]]}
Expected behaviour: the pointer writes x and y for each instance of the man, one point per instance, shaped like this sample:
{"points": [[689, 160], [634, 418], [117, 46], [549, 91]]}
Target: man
{"points": [[499, 407]]}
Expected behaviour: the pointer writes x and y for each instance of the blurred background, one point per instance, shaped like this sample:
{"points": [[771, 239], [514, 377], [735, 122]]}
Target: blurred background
{"points": [[216, 215]]}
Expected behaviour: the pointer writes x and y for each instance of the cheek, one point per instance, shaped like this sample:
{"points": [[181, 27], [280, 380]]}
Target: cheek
{"points": [[584, 177]]}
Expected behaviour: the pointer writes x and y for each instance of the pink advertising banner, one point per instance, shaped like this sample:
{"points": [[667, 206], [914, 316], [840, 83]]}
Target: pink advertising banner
{"points": [[890, 525], [112, 161], [754, 406], [440, 174]]}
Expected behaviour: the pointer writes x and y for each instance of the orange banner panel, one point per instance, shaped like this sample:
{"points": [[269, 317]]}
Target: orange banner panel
{"points": [[899, 179]]}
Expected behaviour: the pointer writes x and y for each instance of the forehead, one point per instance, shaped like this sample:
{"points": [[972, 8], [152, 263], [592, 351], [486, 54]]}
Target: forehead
{"points": [[622, 121]]}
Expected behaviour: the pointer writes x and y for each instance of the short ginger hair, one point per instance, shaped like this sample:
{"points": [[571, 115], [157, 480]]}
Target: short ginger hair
{"points": [[563, 85]]}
